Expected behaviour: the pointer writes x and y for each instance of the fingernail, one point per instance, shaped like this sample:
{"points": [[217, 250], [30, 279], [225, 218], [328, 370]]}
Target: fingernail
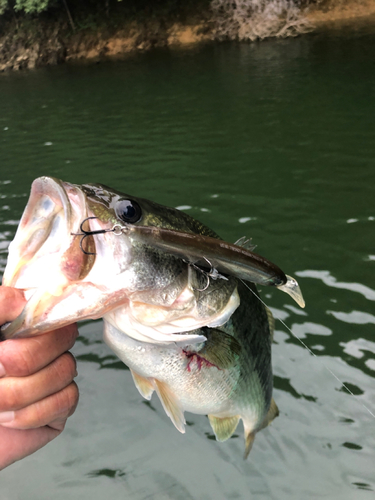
{"points": [[2, 370], [6, 416], [76, 374]]}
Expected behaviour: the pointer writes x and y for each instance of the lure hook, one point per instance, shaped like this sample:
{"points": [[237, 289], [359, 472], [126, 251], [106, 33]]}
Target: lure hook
{"points": [[212, 273], [85, 233]]}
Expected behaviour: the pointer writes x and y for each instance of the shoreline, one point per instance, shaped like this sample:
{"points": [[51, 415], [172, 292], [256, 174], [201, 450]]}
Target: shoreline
{"points": [[50, 44], [341, 13]]}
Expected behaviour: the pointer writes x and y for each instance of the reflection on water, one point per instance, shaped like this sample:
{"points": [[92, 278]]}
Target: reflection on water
{"points": [[329, 280], [109, 361], [107, 472], [272, 141]]}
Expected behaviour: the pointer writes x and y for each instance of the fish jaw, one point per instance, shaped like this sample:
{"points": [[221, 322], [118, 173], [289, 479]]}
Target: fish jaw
{"points": [[148, 323], [46, 261], [45, 312], [64, 284], [43, 240]]}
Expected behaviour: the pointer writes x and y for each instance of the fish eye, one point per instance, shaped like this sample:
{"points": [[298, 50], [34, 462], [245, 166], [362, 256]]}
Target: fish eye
{"points": [[128, 211]]}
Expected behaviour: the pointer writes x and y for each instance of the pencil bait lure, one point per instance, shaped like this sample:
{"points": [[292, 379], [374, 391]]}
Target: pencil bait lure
{"points": [[198, 250]]}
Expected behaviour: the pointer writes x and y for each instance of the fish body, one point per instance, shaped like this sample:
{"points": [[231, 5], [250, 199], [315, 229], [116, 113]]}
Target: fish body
{"points": [[200, 339], [227, 377], [150, 294]]}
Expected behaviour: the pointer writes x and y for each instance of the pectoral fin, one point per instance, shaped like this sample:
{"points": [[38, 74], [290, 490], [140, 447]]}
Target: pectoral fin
{"points": [[143, 385], [223, 427], [171, 405], [220, 349]]}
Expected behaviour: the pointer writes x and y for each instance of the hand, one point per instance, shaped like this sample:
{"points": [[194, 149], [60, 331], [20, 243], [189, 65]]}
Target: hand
{"points": [[37, 392]]}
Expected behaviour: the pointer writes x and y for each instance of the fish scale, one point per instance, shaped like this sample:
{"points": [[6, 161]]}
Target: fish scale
{"points": [[196, 336]]}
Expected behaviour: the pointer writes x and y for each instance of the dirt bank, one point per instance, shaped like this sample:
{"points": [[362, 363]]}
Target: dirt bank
{"points": [[39, 43], [136, 37], [329, 12]]}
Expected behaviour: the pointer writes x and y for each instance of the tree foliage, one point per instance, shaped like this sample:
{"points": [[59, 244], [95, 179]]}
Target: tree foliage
{"points": [[253, 19], [28, 6]]}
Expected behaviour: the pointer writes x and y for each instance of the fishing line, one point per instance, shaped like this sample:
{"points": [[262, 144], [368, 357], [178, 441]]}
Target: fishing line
{"points": [[311, 352]]}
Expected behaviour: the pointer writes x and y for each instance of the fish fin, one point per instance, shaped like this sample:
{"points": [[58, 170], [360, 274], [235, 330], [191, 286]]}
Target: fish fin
{"points": [[171, 405], [271, 322], [246, 243], [220, 349], [249, 441], [272, 413], [223, 427], [143, 385]]}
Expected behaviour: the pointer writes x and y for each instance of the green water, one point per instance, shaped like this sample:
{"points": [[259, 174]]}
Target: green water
{"points": [[274, 141]]}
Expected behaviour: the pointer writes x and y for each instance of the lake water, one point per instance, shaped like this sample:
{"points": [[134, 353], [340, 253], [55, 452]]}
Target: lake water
{"points": [[272, 140]]}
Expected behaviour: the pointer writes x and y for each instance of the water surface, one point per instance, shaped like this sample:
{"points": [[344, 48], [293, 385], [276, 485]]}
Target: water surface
{"points": [[274, 141]]}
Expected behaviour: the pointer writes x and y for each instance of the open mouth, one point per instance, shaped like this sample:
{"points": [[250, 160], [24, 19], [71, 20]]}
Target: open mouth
{"points": [[46, 261], [44, 241]]}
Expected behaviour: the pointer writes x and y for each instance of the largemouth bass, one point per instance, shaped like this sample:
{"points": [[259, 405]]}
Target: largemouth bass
{"points": [[171, 293]]}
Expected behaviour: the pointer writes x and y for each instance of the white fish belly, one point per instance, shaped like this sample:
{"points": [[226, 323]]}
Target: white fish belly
{"points": [[198, 386]]}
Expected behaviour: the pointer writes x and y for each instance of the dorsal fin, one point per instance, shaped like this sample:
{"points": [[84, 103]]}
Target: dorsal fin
{"points": [[143, 385], [246, 243], [171, 405], [223, 427]]}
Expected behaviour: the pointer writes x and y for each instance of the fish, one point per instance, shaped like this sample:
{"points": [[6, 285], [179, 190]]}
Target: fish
{"points": [[179, 305]]}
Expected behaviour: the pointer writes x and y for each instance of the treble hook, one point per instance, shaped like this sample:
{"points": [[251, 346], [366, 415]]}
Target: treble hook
{"points": [[212, 273], [84, 234]]}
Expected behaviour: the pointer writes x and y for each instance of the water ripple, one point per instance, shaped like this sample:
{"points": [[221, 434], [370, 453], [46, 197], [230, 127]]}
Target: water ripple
{"points": [[354, 317], [358, 347], [331, 281], [306, 328]]}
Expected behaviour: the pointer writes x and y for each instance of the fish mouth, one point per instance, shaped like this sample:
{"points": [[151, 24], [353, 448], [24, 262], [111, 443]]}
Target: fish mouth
{"points": [[51, 258], [45, 240], [61, 282], [45, 258]]}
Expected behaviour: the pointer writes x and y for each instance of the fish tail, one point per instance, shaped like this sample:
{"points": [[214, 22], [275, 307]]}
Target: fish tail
{"points": [[250, 432], [249, 441]]}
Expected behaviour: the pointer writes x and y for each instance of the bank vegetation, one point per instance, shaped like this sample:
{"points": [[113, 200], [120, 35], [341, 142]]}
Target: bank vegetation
{"points": [[41, 32]]}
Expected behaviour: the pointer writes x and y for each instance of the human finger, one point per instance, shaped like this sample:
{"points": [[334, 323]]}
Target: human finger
{"points": [[19, 392], [12, 301], [21, 443], [52, 411], [23, 357]]}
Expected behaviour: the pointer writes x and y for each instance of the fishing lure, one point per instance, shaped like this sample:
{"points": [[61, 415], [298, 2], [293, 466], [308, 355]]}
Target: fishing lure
{"points": [[198, 250]]}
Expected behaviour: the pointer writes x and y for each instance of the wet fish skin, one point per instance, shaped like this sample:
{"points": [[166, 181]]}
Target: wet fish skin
{"points": [[207, 351], [198, 244], [227, 258], [243, 389], [151, 293], [232, 384]]}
